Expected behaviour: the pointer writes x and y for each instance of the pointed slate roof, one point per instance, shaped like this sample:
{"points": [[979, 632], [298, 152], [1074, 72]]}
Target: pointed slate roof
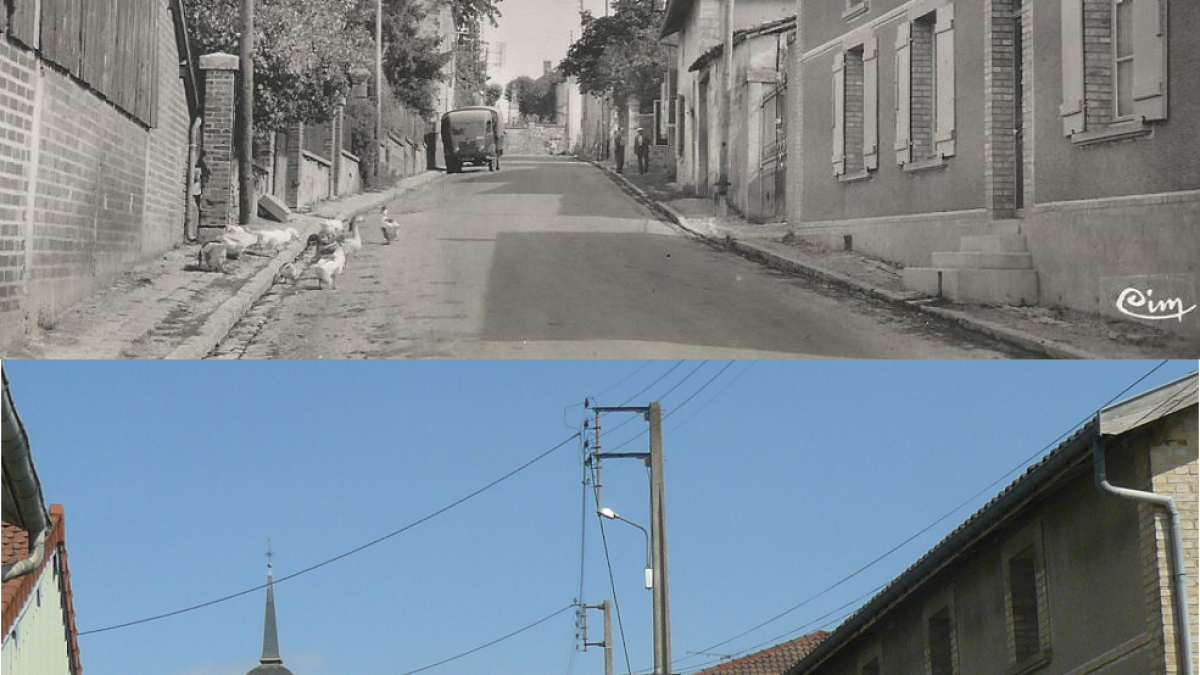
{"points": [[271, 663]]}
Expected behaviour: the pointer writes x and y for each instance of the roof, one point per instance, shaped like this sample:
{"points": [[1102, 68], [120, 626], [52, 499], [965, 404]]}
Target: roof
{"points": [[771, 661], [17, 591], [1038, 478], [740, 35], [673, 16], [1149, 406]]}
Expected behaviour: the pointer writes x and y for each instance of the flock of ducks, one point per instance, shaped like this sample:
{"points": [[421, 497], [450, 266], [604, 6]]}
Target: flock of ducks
{"points": [[332, 245]]}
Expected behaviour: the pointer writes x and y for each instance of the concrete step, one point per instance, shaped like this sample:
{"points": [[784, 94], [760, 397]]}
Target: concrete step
{"points": [[1006, 226], [975, 286], [980, 260], [993, 243]]}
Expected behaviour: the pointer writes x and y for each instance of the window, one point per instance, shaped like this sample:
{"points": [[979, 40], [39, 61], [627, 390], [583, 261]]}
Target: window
{"points": [[1114, 68], [854, 8], [925, 88], [941, 652], [855, 110], [1025, 601]]}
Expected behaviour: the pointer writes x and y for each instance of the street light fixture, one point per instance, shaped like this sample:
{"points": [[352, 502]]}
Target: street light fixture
{"points": [[612, 515]]}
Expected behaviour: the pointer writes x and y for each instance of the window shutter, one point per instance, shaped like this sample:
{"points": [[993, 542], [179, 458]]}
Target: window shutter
{"points": [[1149, 59], [903, 93], [1072, 67], [839, 113], [943, 47], [870, 105]]}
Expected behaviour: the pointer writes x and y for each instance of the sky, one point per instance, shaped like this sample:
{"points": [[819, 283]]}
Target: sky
{"points": [[782, 477], [534, 31]]}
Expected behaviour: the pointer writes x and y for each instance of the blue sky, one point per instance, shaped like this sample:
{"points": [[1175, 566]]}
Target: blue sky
{"points": [[781, 479]]}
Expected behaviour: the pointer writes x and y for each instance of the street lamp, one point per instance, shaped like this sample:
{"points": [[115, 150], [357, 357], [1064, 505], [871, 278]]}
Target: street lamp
{"points": [[612, 515]]}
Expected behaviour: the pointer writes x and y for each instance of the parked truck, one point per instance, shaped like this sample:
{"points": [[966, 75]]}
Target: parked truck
{"points": [[473, 135]]}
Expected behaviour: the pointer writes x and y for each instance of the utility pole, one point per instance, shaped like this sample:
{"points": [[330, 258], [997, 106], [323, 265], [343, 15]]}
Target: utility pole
{"points": [[658, 521], [378, 86], [607, 643], [246, 209], [727, 108]]}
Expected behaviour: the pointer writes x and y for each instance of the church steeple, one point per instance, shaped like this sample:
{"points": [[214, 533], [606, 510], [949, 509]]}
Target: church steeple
{"points": [[270, 634], [271, 662]]}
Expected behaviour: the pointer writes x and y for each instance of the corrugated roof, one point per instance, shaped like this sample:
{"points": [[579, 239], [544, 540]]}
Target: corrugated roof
{"points": [[1039, 476], [741, 35]]}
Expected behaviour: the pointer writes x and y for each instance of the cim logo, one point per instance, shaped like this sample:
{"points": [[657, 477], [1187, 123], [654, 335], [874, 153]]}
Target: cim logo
{"points": [[1142, 305], [1165, 300]]}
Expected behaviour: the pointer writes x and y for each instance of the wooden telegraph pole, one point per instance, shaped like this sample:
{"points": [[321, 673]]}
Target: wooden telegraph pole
{"points": [[246, 201]]}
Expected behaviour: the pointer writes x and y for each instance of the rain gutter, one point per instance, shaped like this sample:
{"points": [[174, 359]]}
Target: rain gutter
{"points": [[23, 501], [1183, 630]]}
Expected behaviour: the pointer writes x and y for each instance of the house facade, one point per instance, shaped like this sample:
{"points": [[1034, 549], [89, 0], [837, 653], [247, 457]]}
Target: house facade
{"points": [[1056, 574], [40, 637], [1005, 151], [97, 143], [757, 137], [694, 27]]}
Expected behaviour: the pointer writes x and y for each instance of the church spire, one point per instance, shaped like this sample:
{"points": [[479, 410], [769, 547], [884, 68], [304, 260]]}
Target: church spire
{"points": [[270, 652]]}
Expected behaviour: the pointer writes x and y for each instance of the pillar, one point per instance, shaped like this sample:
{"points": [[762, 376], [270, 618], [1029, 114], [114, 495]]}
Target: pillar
{"points": [[295, 163], [218, 206]]}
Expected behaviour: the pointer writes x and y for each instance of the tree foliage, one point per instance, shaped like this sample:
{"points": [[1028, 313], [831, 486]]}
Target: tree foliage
{"points": [[620, 55], [413, 55], [535, 98], [493, 94], [303, 53], [470, 14]]}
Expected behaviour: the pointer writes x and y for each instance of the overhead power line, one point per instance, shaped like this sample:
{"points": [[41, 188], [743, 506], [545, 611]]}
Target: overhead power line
{"points": [[493, 642], [347, 554]]}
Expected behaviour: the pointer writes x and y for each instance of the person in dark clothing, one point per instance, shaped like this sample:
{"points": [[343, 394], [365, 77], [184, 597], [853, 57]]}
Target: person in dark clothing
{"points": [[619, 149], [641, 148]]}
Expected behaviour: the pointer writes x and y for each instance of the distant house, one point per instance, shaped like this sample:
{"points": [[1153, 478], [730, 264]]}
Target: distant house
{"points": [[1056, 575], [693, 27], [40, 637], [771, 661]]}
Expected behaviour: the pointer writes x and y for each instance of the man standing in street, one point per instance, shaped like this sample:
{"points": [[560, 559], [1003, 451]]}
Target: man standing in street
{"points": [[641, 148], [619, 149]]}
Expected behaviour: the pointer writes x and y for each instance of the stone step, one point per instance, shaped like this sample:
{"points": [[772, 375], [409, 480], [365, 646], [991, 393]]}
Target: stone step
{"points": [[975, 286], [980, 260], [1006, 226], [993, 243]]}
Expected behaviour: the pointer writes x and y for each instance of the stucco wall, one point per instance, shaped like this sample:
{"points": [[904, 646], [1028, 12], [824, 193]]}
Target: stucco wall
{"points": [[37, 643], [891, 190]]}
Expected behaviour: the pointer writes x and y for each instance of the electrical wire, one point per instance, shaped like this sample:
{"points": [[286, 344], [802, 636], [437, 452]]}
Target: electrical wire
{"points": [[749, 365], [925, 529], [347, 554], [675, 410], [493, 642]]}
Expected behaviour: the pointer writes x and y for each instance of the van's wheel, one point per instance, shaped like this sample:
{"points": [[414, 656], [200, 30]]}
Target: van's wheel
{"points": [[453, 167]]}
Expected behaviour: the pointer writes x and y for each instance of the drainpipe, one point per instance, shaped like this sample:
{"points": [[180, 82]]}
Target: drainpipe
{"points": [[22, 484], [190, 206], [1182, 623]]}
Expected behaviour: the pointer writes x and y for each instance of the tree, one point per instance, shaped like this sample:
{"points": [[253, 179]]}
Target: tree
{"points": [[620, 55], [493, 93], [535, 98], [303, 53], [413, 55]]}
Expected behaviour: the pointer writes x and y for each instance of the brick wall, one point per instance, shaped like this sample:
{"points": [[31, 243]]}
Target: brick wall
{"points": [[1173, 471], [85, 189], [1000, 100], [1097, 62], [922, 87], [853, 120]]}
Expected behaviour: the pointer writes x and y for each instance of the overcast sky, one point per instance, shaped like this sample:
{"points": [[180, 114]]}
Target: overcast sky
{"points": [[534, 31], [781, 478]]}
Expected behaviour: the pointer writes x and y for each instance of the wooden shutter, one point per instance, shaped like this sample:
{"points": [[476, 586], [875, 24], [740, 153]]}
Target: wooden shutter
{"points": [[870, 104], [943, 47], [1072, 111], [1149, 59], [903, 92], [839, 113]]}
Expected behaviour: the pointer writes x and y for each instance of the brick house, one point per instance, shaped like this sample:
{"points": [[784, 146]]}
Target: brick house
{"points": [[1055, 574], [96, 140], [1003, 148], [693, 27]]}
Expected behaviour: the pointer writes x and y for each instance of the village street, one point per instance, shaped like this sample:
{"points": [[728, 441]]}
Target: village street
{"points": [[548, 258]]}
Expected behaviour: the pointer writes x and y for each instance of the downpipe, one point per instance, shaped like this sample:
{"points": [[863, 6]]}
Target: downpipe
{"points": [[1183, 628]]}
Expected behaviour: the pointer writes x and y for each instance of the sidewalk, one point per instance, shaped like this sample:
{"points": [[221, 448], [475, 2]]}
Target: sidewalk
{"points": [[1053, 333], [163, 309]]}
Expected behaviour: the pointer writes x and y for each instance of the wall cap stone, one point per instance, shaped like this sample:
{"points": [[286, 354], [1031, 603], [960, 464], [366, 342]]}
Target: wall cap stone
{"points": [[219, 61]]}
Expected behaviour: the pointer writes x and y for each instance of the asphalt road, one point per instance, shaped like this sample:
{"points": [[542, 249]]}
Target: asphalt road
{"points": [[547, 258]]}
